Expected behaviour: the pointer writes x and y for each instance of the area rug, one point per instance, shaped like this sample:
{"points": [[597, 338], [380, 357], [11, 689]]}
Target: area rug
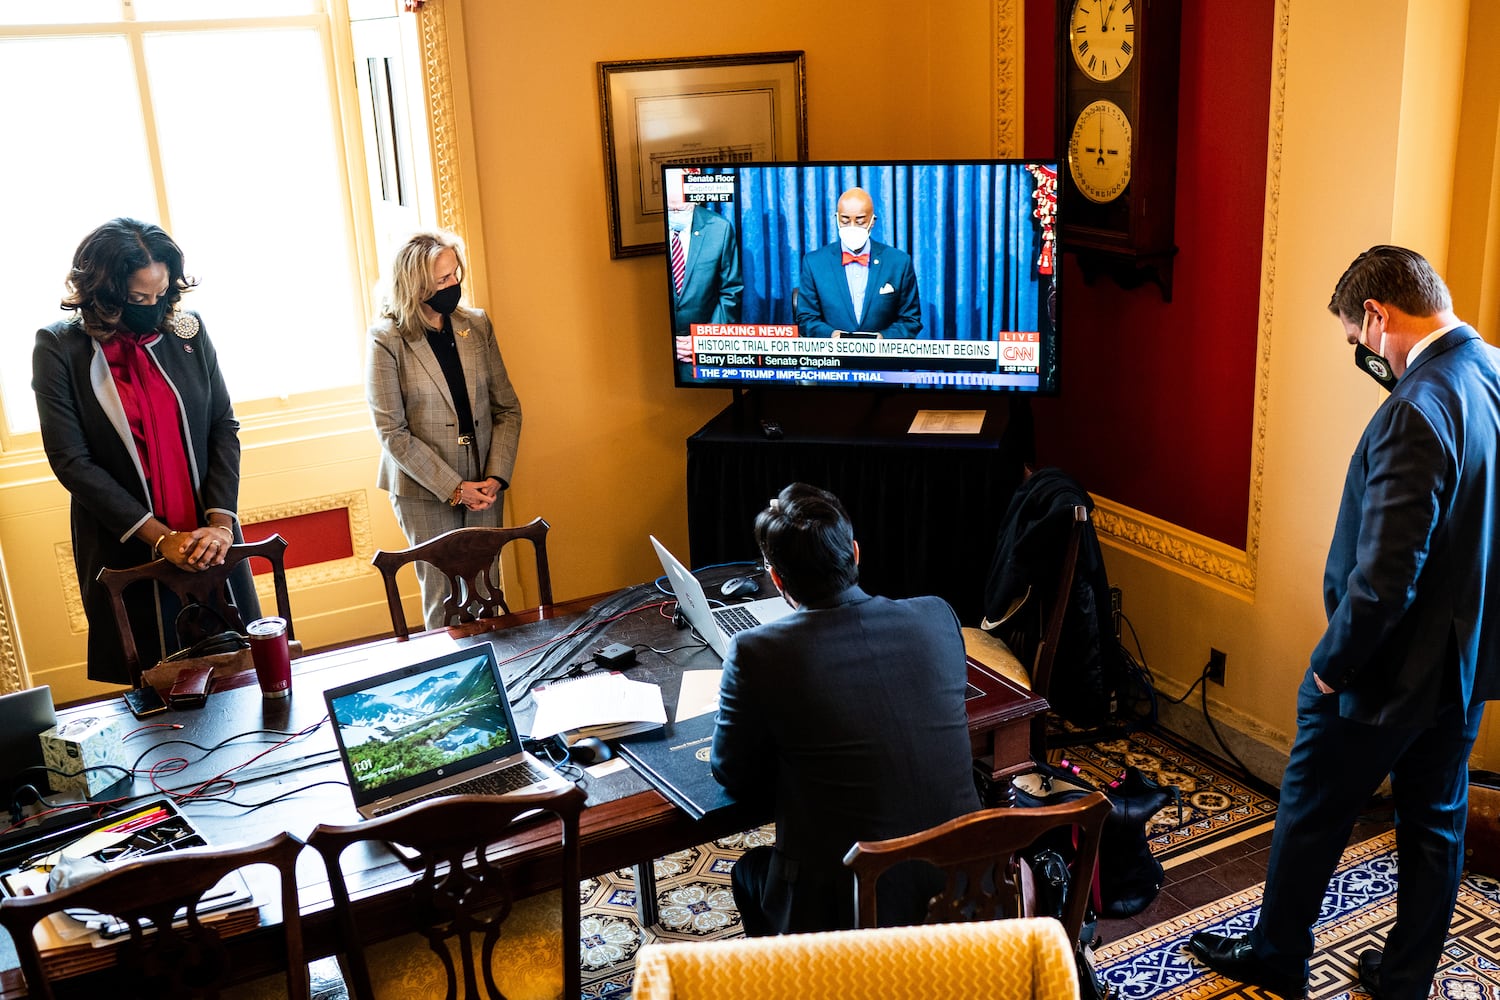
{"points": [[693, 886], [1217, 804], [1358, 911], [695, 901]]}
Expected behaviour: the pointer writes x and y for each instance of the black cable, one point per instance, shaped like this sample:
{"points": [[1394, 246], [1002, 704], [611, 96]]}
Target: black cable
{"points": [[251, 806], [567, 647], [1186, 694], [660, 582], [1215, 729]]}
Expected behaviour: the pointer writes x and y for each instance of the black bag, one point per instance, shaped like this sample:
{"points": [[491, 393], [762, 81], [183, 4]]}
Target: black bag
{"points": [[1089, 668], [1129, 876], [1053, 883]]}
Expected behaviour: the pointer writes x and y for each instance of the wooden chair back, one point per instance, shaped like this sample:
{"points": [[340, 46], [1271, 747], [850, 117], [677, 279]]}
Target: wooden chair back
{"points": [[452, 901], [187, 958], [980, 855], [209, 587], [468, 557], [1033, 628]]}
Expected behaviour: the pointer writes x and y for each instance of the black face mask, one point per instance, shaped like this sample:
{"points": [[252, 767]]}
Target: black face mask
{"points": [[445, 300], [1375, 366], [142, 319]]}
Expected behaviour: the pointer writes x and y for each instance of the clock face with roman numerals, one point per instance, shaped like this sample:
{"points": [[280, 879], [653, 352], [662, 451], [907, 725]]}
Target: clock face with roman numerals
{"points": [[1101, 36]]}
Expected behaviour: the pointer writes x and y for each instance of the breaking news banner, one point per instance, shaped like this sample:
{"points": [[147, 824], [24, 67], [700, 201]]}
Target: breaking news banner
{"points": [[774, 353]]}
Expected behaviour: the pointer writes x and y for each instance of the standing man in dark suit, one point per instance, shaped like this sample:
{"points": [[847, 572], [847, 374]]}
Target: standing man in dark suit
{"points": [[1397, 684], [703, 265], [856, 285], [848, 715]]}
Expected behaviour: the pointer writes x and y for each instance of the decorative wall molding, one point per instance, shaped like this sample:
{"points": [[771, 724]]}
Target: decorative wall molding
{"points": [[442, 115], [361, 537], [1232, 569], [67, 576], [13, 676], [1009, 67], [1174, 547]]}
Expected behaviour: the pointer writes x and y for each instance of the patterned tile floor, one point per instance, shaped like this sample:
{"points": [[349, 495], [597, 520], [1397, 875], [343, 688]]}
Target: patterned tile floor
{"points": [[1358, 911], [1219, 811], [695, 903]]}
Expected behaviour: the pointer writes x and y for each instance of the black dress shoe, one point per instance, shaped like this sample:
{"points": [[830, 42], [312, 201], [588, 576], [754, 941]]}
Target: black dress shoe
{"points": [[1369, 972], [1233, 957]]}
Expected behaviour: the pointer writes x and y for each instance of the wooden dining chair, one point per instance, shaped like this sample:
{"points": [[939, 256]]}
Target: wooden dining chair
{"points": [[468, 557], [1022, 645], [208, 587], [463, 899], [165, 956], [980, 856]]}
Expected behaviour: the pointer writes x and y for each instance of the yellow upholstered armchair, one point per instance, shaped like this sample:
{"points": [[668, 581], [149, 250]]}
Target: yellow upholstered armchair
{"points": [[1023, 959]]}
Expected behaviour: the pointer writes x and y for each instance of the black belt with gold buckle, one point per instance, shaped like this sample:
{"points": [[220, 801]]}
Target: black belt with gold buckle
{"points": [[466, 439]]}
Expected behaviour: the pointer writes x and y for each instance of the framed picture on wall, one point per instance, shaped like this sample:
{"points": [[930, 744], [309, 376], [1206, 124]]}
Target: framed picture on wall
{"points": [[702, 109]]}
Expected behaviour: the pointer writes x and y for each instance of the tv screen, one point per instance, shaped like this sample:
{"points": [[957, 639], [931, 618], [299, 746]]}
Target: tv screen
{"points": [[918, 275]]}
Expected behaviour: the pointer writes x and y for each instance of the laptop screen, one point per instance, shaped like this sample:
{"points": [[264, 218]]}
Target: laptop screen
{"points": [[422, 723]]}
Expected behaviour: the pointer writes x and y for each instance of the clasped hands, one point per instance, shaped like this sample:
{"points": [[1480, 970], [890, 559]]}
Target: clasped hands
{"points": [[477, 496], [198, 549]]}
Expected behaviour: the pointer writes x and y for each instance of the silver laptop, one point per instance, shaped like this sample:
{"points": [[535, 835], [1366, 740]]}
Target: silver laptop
{"points": [[716, 625], [442, 727]]}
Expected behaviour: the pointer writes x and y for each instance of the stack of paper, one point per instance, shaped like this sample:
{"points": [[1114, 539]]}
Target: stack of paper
{"points": [[602, 704]]}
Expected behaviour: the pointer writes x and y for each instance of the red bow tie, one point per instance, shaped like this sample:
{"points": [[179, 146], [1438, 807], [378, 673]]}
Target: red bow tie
{"points": [[856, 258]]}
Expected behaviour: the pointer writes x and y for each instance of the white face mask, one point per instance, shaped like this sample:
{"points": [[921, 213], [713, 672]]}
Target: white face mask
{"points": [[681, 218], [853, 238]]}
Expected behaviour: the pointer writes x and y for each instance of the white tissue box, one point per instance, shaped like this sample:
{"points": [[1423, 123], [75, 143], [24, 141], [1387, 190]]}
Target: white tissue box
{"points": [[88, 741]]}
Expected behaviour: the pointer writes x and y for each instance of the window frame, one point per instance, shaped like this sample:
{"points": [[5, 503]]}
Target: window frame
{"points": [[260, 417]]}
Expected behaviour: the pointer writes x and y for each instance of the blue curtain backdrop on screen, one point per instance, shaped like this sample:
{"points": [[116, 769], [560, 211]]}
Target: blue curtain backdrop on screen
{"points": [[967, 227]]}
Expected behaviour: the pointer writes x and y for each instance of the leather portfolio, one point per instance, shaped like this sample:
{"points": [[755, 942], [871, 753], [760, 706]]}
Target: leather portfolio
{"points": [[674, 759]]}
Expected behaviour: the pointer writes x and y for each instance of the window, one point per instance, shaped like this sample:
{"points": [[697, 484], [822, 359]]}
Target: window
{"points": [[222, 123]]}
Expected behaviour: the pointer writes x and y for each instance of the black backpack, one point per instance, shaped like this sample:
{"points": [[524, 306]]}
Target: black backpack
{"points": [[1088, 670], [1130, 877]]}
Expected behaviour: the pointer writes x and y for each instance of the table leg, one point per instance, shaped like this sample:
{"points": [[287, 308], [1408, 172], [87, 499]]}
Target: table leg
{"points": [[645, 893]]}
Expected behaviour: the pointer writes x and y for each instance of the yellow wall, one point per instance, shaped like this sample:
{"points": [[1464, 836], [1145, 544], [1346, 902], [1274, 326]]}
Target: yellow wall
{"points": [[585, 337]]}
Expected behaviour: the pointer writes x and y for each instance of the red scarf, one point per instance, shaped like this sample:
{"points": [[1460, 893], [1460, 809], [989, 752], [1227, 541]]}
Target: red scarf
{"points": [[156, 424]]}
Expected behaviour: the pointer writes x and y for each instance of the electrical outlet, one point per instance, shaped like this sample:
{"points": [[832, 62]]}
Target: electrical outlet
{"points": [[1216, 666], [1116, 602]]}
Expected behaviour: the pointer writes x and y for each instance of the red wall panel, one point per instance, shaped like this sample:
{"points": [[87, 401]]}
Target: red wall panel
{"points": [[1157, 401]]}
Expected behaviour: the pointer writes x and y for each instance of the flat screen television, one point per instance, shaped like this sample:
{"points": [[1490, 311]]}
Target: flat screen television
{"points": [[953, 264]]}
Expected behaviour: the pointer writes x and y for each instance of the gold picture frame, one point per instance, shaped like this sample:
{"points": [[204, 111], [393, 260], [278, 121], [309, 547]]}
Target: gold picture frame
{"points": [[702, 109]]}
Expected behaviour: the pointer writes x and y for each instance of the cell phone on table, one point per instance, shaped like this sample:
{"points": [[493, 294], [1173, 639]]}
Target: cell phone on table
{"points": [[145, 701]]}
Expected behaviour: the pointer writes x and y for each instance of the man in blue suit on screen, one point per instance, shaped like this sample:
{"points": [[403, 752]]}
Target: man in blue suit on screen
{"points": [[1397, 684], [703, 261], [856, 285]]}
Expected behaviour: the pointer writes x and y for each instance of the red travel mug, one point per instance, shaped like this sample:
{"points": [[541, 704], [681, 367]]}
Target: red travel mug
{"points": [[273, 661]]}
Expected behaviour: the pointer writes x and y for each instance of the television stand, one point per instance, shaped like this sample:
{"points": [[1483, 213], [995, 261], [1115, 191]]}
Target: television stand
{"points": [[926, 507]]}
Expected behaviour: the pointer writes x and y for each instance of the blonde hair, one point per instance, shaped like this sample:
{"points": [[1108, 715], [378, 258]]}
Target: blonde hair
{"points": [[411, 276]]}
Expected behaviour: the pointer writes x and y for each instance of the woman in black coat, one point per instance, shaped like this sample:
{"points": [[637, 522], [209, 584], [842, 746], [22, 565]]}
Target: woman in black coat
{"points": [[138, 427]]}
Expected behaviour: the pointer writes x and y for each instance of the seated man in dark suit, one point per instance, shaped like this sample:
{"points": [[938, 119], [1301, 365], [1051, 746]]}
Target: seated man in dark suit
{"points": [[849, 716], [703, 259], [856, 285]]}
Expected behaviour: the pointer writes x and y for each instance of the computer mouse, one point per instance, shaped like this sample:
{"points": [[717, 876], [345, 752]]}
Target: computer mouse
{"points": [[740, 586], [589, 750]]}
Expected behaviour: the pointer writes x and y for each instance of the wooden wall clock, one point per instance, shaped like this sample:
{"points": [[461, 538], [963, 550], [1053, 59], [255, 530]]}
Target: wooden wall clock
{"points": [[1117, 129]]}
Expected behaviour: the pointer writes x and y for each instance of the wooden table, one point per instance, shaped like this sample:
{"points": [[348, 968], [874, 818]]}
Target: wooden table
{"points": [[625, 822]]}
